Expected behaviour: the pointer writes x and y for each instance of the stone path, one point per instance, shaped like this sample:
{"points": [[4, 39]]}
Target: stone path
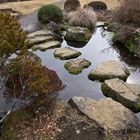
{"points": [[42, 40], [108, 114]]}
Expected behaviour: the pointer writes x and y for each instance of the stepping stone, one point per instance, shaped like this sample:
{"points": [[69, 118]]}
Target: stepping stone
{"points": [[126, 94], [109, 70], [66, 53], [39, 33], [39, 37], [47, 45], [39, 40], [107, 113], [77, 66]]}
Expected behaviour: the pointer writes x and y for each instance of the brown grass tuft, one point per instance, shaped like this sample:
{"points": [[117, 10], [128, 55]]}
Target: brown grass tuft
{"points": [[82, 17]]}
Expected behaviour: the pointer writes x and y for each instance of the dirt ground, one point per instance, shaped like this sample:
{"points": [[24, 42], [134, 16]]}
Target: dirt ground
{"points": [[30, 6]]}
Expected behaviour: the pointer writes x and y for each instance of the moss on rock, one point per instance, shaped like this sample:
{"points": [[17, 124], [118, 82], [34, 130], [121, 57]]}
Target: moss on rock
{"points": [[76, 66], [78, 34]]}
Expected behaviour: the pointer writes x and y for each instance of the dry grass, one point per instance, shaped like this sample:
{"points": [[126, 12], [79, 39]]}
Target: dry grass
{"points": [[82, 17], [30, 6], [26, 7]]}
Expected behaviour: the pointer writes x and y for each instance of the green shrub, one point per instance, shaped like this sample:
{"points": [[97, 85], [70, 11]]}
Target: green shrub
{"points": [[84, 17], [12, 37], [97, 5], [49, 13]]}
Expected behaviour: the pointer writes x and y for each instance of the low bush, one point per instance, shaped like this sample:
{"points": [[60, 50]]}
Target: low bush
{"points": [[26, 76], [128, 12], [12, 37], [71, 5], [97, 5], [124, 33], [50, 13], [84, 17]]}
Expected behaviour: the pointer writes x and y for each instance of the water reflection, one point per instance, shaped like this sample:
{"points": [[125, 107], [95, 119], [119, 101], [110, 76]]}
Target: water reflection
{"points": [[128, 57]]}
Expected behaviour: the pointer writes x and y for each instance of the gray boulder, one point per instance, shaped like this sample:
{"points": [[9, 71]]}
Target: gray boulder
{"points": [[126, 94], [78, 34], [77, 66], [109, 70]]}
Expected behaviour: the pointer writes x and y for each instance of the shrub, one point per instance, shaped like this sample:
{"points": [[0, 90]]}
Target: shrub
{"points": [[27, 76], [124, 33], [12, 37], [71, 5], [82, 17], [49, 13], [97, 5], [128, 12]]}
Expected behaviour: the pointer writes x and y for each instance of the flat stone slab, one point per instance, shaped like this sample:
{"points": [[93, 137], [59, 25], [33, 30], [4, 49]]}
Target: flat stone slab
{"points": [[76, 66], [47, 45], [66, 53], [126, 94], [39, 37], [109, 70], [107, 113], [39, 33]]}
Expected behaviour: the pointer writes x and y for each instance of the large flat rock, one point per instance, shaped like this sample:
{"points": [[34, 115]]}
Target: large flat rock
{"points": [[66, 53], [107, 113], [109, 70], [76, 66], [126, 94], [47, 45]]}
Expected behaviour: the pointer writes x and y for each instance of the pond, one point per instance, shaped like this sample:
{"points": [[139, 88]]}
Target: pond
{"points": [[97, 50]]}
